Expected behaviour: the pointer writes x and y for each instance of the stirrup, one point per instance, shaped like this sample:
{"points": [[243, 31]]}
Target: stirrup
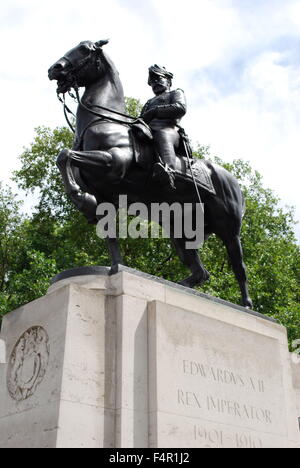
{"points": [[164, 174]]}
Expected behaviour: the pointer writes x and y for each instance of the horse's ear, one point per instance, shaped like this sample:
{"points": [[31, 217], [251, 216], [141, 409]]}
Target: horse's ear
{"points": [[101, 43]]}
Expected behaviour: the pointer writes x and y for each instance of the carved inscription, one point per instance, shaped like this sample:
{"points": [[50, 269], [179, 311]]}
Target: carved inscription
{"points": [[28, 363], [222, 406], [228, 387], [218, 438], [225, 401], [222, 376], [210, 406]]}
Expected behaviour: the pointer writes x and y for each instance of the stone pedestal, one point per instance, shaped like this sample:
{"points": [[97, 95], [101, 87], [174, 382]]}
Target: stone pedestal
{"points": [[129, 360], [296, 383]]}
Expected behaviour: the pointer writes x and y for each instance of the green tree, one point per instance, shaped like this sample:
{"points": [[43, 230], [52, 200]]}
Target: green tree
{"points": [[133, 106], [24, 272]]}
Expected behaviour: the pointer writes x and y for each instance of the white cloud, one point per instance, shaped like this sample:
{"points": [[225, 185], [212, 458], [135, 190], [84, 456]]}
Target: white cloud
{"points": [[293, 14], [259, 122], [194, 33]]}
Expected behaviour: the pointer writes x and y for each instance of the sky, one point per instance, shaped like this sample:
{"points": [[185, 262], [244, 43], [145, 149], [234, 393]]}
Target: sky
{"points": [[238, 62]]}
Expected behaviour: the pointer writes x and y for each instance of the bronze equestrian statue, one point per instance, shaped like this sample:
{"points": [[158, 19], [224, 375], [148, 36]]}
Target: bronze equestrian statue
{"points": [[113, 154]]}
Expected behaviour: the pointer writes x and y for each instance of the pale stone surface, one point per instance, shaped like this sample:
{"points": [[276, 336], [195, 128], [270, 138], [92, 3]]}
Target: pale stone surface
{"points": [[225, 312], [135, 362], [50, 313], [74, 404], [137, 286], [84, 426], [222, 376], [131, 429], [290, 397], [87, 281], [132, 372], [296, 384], [2, 352], [89, 350], [34, 428]]}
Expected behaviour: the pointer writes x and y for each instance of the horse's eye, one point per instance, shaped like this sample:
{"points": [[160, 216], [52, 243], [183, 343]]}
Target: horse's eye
{"points": [[83, 48]]}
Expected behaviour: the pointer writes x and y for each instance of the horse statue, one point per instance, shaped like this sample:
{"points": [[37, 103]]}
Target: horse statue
{"points": [[113, 155]]}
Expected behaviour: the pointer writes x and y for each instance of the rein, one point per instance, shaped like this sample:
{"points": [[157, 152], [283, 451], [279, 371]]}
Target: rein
{"points": [[97, 114], [106, 117], [66, 111]]}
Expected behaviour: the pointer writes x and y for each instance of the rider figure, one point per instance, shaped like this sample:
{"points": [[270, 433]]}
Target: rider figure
{"points": [[163, 113]]}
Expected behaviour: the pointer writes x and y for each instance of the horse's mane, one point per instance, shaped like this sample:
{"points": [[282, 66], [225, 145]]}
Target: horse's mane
{"points": [[112, 71]]}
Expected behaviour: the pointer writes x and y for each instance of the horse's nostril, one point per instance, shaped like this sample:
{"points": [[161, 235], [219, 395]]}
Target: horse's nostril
{"points": [[57, 69]]}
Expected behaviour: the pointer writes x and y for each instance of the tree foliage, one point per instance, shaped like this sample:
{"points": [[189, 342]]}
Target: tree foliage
{"points": [[56, 237]]}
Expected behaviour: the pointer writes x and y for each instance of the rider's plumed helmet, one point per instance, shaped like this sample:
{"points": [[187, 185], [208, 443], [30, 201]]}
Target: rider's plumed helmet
{"points": [[156, 70]]}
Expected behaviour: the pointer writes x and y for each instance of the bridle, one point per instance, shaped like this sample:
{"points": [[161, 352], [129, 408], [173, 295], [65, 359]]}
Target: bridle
{"points": [[73, 84]]}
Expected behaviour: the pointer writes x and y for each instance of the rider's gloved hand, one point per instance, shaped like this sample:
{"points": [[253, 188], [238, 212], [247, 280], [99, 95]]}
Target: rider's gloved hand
{"points": [[149, 115]]}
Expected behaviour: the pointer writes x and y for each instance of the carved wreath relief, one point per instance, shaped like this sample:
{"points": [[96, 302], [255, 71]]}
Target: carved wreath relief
{"points": [[28, 363]]}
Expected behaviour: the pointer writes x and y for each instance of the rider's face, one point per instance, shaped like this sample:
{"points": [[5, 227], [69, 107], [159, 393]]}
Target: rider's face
{"points": [[160, 84]]}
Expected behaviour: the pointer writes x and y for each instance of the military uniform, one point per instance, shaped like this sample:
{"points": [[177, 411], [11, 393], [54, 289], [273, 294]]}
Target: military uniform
{"points": [[163, 114], [168, 107]]}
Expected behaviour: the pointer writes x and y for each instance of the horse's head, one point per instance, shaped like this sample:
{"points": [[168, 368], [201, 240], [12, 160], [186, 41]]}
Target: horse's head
{"points": [[78, 67]]}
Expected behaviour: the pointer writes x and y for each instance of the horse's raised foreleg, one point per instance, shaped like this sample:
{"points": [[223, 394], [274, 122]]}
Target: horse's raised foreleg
{"points": [[95, 160], [190, 258], [235, 253], [114, 162], [63, 164], [85, 202]]}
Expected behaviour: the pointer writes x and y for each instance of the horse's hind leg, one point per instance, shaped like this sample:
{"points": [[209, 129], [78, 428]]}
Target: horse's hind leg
{"points": [[115, 252], [190, 258], [235, 253], [113, 246]]}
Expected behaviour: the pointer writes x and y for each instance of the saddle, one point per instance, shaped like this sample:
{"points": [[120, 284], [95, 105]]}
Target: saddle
{"points": [[191, 169], [199, 173], [142, 131]]}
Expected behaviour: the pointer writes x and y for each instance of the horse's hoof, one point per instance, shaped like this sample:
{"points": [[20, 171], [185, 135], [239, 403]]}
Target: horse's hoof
{"points": [[186, 283], [247, 303], [195, 280], [115, 268], [87, 204]]}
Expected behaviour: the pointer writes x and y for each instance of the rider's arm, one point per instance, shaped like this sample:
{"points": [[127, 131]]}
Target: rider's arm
{"points": [[145, 108], [175, 109], [148, 114]]}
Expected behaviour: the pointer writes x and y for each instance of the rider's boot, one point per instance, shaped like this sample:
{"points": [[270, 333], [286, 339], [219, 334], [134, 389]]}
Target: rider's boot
{"points": [[163, 174]]}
